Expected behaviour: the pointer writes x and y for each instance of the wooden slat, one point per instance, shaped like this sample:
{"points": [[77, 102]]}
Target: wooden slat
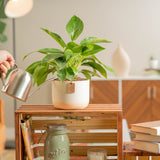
{"points": [[119, 136], [93, 137], [130, 158], [155, 157], [49, 109], [84, 158], [73, 124], [143, 158], [82, 150], [88, 137]]}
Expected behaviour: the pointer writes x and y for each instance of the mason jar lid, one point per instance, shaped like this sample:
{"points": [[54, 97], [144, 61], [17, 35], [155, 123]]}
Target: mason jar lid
{"points": [[56, 127]]}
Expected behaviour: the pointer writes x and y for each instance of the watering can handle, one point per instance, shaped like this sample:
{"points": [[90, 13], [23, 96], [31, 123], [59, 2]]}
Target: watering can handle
{"points": [[2, 79], [44, 84]]}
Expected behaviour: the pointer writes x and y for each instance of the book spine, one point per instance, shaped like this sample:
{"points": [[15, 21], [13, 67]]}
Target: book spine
{"points": [[27, 141]]}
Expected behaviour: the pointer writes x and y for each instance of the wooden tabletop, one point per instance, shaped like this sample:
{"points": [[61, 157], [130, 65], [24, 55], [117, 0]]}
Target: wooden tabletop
{"points": [[50, 109]]}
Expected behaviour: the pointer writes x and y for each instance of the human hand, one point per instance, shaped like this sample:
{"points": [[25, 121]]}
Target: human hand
{"points": [[6, 61]]}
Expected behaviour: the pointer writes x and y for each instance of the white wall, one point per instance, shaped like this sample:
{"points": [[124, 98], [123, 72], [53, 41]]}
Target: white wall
{"points": [[134, 23]]}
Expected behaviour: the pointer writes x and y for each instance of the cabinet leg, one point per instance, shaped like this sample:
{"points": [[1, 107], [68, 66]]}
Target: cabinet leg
{"points": [[119, 136]]}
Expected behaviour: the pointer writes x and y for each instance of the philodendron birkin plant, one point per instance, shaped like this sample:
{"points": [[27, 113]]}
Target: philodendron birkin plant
{"points": [[66, 62]]}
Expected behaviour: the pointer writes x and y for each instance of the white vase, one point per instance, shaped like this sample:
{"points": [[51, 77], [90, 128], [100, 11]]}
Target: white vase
{"points": [[121, 62], [78, 99]]}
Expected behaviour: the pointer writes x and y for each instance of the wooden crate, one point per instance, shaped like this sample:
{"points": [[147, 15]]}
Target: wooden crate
{"points": [[132, 154], [95, 117]]}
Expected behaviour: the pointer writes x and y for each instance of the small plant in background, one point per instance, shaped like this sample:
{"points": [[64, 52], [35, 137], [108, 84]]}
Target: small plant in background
{"points": [[67, 62], [151, 58], [3, 38]]}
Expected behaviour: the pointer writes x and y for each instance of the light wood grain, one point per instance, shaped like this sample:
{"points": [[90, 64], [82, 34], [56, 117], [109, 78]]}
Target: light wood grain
{"points": [[73, 124], [130, 153], [155, 100], [136, 101], [87, 137], [105, 92]]}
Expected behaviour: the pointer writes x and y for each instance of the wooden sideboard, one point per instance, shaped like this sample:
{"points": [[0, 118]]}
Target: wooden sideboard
{"points": [[140, 98], [104, 92]]}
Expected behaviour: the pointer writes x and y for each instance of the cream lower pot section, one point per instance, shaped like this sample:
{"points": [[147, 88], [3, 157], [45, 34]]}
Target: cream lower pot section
{"points": [[79, 99]]}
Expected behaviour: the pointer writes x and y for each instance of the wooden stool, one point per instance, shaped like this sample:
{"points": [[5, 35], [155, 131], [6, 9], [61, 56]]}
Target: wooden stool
{"points": [[131, 154]]}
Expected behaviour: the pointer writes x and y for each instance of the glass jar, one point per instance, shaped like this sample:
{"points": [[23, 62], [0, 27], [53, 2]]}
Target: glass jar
{"points": [[56, 143]]}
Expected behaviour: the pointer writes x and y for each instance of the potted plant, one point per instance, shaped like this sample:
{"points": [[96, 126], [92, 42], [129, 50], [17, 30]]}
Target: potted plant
{"points": [[69, 90], [154, 63]]}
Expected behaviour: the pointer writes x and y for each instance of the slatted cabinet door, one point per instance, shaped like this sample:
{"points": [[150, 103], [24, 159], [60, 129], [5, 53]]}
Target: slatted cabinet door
{"points": [[104, 92], [136, 99]]}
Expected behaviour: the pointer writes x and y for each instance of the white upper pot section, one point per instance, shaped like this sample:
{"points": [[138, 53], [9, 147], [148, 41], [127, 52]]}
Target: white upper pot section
{"points": [[67, 95]]}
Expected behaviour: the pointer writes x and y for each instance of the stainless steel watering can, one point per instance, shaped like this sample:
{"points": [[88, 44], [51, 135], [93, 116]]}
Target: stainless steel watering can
{"points": [[17, 84]]}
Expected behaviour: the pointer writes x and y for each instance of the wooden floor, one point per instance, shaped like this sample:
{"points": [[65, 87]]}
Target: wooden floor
{"points": [[8, 155]]}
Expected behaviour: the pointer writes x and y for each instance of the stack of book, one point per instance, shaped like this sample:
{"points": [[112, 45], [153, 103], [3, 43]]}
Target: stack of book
{"points": [[147, 136], [151, 72]]}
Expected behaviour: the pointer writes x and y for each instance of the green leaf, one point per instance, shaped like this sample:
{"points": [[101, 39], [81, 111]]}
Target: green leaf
{"points": [[90, 40], [62, 74], [86, 74], [90, 49], [108, 68], [2, 26], [31, 68], [2, 13], [68, 53], [90, 72], [70, 74], [75, 70], [77, 49], [54, 70], [71, 45], [43, 78], [56, 37], [74, 27], [39, 74], [51, 56], [50, 50], [98, 67], [32, 53], [89, 59], [61, 63], [73, 59], [3, 38]]}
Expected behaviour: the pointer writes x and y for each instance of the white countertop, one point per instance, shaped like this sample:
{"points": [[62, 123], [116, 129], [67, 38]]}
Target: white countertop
{"points": [[131, 77]]}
